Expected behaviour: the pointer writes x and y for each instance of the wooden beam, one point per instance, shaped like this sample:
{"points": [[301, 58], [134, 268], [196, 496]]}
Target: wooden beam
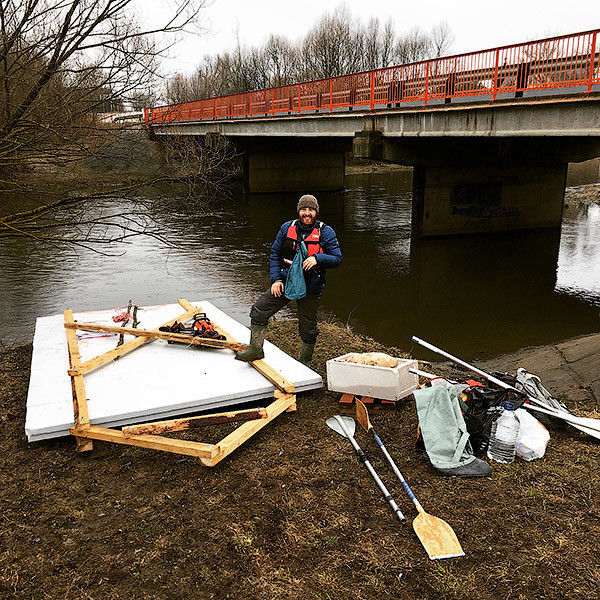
{"points": [[110, 355], [81, 417], [236, 438], [192, 422], [266, 370], [161, 335], [155, 442], [275, 377]]}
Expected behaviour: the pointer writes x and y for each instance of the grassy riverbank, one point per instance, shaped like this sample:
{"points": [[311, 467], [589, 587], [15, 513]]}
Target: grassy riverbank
{"points": [[290, 514]]}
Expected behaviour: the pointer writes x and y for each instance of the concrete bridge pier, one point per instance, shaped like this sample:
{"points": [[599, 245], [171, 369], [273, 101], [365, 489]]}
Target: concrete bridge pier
{"points": [[293, 165], [454, 200]]}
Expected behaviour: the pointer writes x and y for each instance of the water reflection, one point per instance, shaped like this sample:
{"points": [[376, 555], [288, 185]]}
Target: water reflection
{"points": [[580, 248], [476, 297]]}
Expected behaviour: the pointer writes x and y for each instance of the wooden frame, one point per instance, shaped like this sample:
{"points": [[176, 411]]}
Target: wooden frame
{"points": [[145, 435]]}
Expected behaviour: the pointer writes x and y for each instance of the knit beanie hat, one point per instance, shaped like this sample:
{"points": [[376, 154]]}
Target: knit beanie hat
{"points": [[308, 201]]}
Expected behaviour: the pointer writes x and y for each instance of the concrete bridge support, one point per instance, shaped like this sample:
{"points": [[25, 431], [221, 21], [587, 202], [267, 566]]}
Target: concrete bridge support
{"points": [[294, 171], [450, 200], [480, 184], [293, 165]]}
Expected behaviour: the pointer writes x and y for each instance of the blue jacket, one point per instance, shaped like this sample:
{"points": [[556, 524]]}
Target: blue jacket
{"points": [[329, 258]]}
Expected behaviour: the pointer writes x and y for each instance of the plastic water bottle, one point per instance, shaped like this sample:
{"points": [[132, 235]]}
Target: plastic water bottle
{"points": [[503, 438]]}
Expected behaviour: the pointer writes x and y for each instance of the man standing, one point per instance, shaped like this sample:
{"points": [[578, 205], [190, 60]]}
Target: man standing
{"points": [[323, 253]]}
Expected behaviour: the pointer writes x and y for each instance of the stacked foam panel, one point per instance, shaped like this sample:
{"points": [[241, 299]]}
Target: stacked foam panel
{"points": [[157, 381]]}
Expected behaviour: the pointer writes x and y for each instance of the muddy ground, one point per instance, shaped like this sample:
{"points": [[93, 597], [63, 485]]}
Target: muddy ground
{"points": [[290, 514]]}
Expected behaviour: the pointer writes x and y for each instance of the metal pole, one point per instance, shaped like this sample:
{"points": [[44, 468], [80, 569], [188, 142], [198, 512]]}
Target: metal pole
{"points": [[365, 460]]}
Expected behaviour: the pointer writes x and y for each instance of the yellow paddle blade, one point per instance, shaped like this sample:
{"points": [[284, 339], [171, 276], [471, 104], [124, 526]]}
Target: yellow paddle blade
{"points": [[437, 537], [362, 415]]}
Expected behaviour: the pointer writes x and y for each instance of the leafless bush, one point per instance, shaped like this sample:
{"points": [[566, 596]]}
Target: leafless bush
{"points": [[61, 63]]}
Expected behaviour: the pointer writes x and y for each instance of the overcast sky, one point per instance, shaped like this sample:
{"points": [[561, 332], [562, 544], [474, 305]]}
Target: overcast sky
{"points": [[476, 24]]}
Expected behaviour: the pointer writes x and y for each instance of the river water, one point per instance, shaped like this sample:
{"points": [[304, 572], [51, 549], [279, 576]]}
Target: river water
{"points": [[476, 297]]}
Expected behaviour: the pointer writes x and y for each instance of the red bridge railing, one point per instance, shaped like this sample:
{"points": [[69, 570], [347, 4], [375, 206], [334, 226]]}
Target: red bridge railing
{"points": [[558, 63]]}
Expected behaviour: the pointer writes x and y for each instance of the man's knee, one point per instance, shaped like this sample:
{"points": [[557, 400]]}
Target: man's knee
{"points": [[265, 307], [258, 316]]}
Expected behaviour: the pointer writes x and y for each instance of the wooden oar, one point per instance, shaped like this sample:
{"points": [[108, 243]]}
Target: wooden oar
{"points": [[437, 537]]}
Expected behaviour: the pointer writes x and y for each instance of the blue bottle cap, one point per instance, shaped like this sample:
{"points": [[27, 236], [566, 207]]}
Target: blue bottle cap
{"points": [[509, 406]]}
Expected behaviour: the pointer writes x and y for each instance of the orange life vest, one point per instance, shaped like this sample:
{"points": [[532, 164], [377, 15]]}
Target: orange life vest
{"points": [[312, 241]]}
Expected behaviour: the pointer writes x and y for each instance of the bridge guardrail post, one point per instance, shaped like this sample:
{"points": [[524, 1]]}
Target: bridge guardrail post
{"points": [[426, 91], [495, 80], [330, 95], [592, 61], [372, 84]]}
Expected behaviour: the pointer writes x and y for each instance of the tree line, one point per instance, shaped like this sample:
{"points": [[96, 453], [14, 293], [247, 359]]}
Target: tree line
{"points": [[337, 44]]}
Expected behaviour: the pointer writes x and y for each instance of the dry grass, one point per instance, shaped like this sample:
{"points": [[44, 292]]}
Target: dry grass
{"points": [[291, 514]]}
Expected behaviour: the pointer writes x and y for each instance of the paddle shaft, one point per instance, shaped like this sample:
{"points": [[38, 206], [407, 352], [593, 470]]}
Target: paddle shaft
{"points": [[397, 471], [365, 461], [560, 414]]}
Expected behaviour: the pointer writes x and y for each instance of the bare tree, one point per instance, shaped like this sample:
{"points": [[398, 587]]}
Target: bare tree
{"points": [[413, 47], [442, 39], [61, 63], [282, 61], [378, 45], [334, 46]]}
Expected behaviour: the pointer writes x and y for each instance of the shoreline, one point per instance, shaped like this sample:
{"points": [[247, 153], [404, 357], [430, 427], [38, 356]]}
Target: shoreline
{"points": [[568, 368]]}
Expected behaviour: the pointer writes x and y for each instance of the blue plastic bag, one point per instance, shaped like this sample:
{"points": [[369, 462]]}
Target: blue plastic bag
{"points": [[295, 284]]}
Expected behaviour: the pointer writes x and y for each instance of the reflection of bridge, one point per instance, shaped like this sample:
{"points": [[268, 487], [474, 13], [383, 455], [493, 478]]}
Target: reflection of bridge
{"points": [[489, 133]]}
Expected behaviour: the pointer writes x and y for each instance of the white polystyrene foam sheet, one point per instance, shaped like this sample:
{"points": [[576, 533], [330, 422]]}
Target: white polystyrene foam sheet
{"points": [[156, 381]]}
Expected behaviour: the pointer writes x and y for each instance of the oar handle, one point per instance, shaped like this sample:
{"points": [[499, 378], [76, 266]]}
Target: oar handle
{"points": [[365, 461], [397, 472]]}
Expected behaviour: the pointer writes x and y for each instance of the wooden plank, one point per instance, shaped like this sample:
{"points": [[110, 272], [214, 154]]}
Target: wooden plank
{"points": [[81, 416], [192, 422], [276, 378], [236, 438], [154, 442], [161, 335], [109, 356]]}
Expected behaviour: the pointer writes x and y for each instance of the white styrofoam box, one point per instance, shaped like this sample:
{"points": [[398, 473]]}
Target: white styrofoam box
{"points": [[384, 383]]}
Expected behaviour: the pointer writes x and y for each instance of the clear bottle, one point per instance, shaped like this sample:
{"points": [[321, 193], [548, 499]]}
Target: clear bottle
{"points": [[503, 437]]}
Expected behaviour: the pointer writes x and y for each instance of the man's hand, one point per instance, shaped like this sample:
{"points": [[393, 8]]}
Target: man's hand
{"points": [[309, 263], [277, 289]]}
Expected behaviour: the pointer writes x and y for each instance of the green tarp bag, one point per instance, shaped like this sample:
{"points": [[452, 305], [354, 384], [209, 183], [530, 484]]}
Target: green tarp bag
{"points": [[295, 284], [443, 427]]}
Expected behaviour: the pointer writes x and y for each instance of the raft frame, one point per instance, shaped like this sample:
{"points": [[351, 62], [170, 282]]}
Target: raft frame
{"points": [[145, 435]]}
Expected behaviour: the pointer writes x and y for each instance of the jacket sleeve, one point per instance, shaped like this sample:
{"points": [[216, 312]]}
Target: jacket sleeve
{"points": [[276, 256], [331, 257]]}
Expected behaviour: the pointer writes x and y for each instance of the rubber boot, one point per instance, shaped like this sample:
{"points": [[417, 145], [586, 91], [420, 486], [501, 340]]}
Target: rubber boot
{"points": [[306, 353], [254, 351]]}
